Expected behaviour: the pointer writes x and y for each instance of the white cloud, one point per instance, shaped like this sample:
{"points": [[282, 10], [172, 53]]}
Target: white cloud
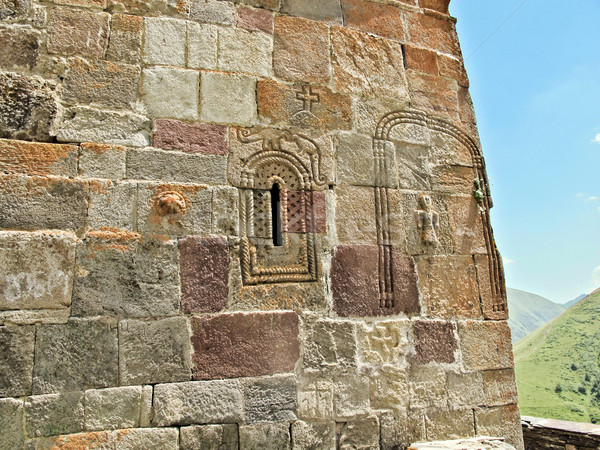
{"points": [[593, 198], [596, 276], [508, 260], [596, 140]]}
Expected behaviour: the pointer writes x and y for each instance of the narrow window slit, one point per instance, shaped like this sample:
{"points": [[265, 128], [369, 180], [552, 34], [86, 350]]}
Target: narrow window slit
{"points": [[276, 216]]}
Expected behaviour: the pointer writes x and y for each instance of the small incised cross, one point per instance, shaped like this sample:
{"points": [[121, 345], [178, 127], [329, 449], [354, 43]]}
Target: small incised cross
{"points": [[308, 98]]}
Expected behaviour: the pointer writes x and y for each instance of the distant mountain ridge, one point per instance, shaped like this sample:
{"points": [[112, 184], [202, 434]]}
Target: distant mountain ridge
{"points": [[527, 312], [574, 301]]}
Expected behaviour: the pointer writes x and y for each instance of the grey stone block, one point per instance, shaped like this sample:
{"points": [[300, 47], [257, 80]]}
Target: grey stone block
{"points": [[209, 437], [78, 355], [164, 41], [113, 408], [330, 345], [225, 212], [313, 435], [102, 161], [182, 86], [198, 402], [328, 10], [228, 98], [16, 364], [148, 438], [270, 399], [112, 205], [242, 51], [272, 436], [54, 414], [154, 352], [202, 46], [213, 11], [11, 424], [359, 433]]}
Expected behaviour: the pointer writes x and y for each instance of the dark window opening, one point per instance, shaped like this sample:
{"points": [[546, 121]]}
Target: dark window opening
{"points": [[276, 216]]}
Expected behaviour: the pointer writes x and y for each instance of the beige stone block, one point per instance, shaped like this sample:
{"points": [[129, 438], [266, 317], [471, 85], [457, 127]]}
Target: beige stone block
{"points": [[465, 390], [434, 94], [202, 45], [209, 437], [243, 51], [182, 87], [399, 429], [466, 224], [262, 436], [330, 345], [313, 435], [486, 345], [427, 387], [228, 98], [449, 424], [146, 406], [225, 212], [113, 408], [355, 160], [351, 396], [11, 423], [164, 41], [500, 387], [213, 11], [163, 438], [315, 399], [355, 215], [360, 433], [112, 204], [370, 112], [389, 388], [502, 422], [385, 342], [102, 161]]}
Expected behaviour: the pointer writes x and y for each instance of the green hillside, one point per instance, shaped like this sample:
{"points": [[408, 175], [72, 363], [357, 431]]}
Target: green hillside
{"points": [[558, 365], [528, 312]]}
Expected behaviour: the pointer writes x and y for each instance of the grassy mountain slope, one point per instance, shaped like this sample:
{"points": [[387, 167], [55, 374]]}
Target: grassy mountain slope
{"points": [[558, 365], [528, 312], [574, 301]]}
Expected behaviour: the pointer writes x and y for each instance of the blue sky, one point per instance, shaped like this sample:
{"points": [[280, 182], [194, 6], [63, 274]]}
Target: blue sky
{"points": [[535, 84]]}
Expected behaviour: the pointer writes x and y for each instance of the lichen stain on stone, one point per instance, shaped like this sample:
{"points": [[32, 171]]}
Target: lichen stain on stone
{"points": [[79, 441]]}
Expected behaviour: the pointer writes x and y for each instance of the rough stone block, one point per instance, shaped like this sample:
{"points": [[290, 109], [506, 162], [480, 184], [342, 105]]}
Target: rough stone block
{"points": [[435, 341], [27, 107], [270, 399], [117, 274], [112, 205], [366, 65], [85, 351], [502, 422], [209, 437], [202, 45], [304, 106], [54, 414], [198, 402], [243, 51], [225, 211], [350, 396], [453, 68], [385, 342], [33, 317], [204, 263], [359, 433], [313, 435], [228, 98], [182, 86], [356, 163], [500, 387], [82, 124], [327, 10], [169, 166], [168, 209], [94, 439], [399, 429], [330, 345], [190, 137], [433, 32], [452, 424], [421, 59], [465, 390], [434, 93], [125, 43], [355, 215], [42, 203], [83, 3], [37, 269], [113, 408], [301, 49], [163, 438], [34, 158], [102, 83], [11, 423], [14, 9], [146, 412], [102, 161], [384, 20], [389, 388], [467, 230], [154, 352], [272, 5], [436, 5], [164, 41], [485, 345], [213, 11], [315, 399], [244, 344], [73, 32], [255, 19], [20, 47], [427, 387], [274, 436], [16, 365]]}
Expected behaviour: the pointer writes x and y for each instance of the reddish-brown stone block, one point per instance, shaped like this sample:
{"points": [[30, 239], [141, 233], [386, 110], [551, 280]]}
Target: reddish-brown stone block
{"points": [[376, 18], [453, 68], [255, 19], [33, 158], [355, 282], [301, 49], [485, 345], [190, 137], [244, 344], [421, 59], [435, 341], [204, 265], [432, 32], [304, 106], [436, 5], [73, 32], [433, 93]]}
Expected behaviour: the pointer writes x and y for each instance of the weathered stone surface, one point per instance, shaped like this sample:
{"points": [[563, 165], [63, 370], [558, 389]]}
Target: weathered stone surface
{"points": [[225, 211], [465, 390], [228, 98], [31, 158], [436, 5], [37, 269], [433, 93], [452, 424], [359, 433], [485, 345], [304, 106], [313, 435], [16, 365], [449, 286], [42, 203], [84, 3], [198, 402], [204, 263], [315, 399], [14, 9], [389, 388], [476, 443], [164, 41], [53, 414], [383, 20], [113, 408], [244, 344], [350, 396], [163, 438], [119, 275], [385, 342], [272, 5], [427, 387], [500, 387], [433, 32], [172, 209], [421, 59], [355, 160], [94, 439], [330, 345], [27, 107], [11, 423], [399, 429], [151, 7], [103, 83], [182, 86], [301, 50], [327, 10], [202, 45], [125, 42], [243, 51], [168, 166], [20, 47], [102, 161], [213, 11], [72, 32], [255, 19], [467, 230], [355, 215], [209, 437], [112, 205], [154, 352], [366, 65], [435, 341], [503, 422], [270, 399], [190, 137], [85, 351], [32, 317], [146, 412], [453, 68], [274, 436]]}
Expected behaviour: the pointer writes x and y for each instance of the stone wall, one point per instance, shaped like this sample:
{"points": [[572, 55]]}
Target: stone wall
{"points": [[253, 224], [559, 434]]}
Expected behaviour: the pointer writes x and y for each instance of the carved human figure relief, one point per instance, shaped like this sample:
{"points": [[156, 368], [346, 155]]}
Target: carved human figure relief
{"points": [[428, 221]]}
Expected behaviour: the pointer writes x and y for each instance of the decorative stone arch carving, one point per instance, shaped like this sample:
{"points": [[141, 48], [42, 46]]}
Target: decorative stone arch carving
{"points": [[494, 307]]}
